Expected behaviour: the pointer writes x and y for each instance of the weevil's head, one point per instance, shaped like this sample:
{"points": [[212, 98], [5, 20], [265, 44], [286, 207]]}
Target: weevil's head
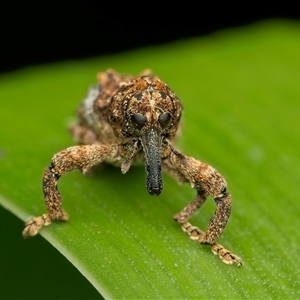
{"points": [[145, 109]]}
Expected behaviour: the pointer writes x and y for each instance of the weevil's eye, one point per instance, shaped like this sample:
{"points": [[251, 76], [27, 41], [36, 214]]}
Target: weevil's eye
{"points": [[164, 119], [138, 120]]}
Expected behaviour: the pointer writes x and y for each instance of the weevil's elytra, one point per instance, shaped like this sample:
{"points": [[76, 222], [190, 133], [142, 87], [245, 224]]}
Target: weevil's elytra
{"points": [[127, 119]]}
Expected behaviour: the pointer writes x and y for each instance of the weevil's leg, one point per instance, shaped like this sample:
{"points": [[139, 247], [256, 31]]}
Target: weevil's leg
{"points": [[77, 157], [208, 182], [191, 208]]}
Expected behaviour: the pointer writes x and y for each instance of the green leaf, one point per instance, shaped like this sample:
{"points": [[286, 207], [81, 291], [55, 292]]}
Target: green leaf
{"points": [[240, 90]]}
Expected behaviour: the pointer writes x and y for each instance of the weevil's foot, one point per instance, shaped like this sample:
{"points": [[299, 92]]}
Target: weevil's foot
{"points": [[225, 255], [194, 232], [181, 217], [33, 226]]}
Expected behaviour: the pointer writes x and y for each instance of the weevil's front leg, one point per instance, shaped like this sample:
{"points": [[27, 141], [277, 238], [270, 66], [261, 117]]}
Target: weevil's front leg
{"points": [[208, 182], [77, 157]]}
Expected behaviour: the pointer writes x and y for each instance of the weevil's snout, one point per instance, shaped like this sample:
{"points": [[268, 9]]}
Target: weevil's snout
{"points": [[149, 131], [150, 123], [151, 141]]}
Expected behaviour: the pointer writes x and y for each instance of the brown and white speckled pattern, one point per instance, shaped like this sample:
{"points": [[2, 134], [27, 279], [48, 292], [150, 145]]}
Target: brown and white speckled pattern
{"points": [[129, 119]]}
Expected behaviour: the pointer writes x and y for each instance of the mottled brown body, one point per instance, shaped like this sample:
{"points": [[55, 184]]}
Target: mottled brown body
{"points": [[127, 119]]}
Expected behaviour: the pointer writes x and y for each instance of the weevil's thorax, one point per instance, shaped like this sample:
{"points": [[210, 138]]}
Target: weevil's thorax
{"points": [[144, 102]]}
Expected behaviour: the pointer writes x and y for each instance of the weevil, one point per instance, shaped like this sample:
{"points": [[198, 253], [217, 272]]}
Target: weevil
{"points": [[126, 119]]}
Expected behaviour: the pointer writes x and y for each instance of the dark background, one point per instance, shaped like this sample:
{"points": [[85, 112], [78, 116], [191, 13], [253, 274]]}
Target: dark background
{"points": [[36, 32]]}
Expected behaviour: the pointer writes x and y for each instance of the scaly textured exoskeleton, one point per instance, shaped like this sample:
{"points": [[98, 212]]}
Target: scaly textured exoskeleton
{"points": [[126, 119]]}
